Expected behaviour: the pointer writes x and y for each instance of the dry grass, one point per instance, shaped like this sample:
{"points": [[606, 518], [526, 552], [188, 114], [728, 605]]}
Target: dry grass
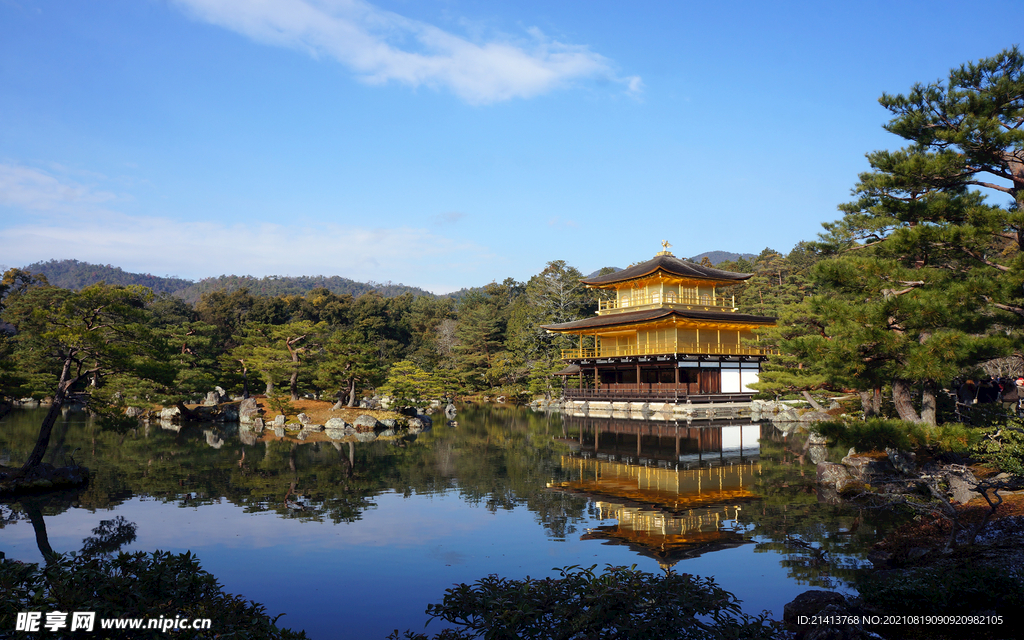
{"points": [[320, 412]]}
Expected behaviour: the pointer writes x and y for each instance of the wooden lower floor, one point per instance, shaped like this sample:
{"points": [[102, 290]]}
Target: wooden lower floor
{"points": [[663, 378]]}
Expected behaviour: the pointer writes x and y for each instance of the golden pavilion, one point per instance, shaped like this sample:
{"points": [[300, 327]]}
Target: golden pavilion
{"points": [[671, 333]]}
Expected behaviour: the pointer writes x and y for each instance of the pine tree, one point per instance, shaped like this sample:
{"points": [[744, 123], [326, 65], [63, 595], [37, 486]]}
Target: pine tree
{"points": [[921, 270]]}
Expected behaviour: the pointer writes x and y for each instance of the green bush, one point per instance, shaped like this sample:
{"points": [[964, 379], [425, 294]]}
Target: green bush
{"points": [[282, 404], [878, 434], [875, 434], [620, 604], [137, 585], [1002, 446]]}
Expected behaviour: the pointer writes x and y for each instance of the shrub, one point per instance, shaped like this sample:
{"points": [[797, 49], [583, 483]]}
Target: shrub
{"points": [[878, 434], [1002, 446], [875, 434], [137, 585], [282, 404], [620, 604]]}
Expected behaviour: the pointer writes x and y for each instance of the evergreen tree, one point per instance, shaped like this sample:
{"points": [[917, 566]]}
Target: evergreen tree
{"points": [[274, 351], [410, 386], [479, 335], [555, 295], [346, 360], [76, 337], [921, 270], [968, 132]]}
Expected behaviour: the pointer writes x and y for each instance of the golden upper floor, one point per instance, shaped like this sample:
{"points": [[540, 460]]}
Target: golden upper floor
{"points": [[668, 282]]}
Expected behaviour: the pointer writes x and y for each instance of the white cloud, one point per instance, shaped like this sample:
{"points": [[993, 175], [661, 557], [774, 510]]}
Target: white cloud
{"points": [[634, 85], [382, 46], [57, 219], [27, 188]]}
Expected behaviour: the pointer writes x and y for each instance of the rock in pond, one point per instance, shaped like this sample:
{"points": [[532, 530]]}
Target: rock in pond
{"points": [[366, 423]]}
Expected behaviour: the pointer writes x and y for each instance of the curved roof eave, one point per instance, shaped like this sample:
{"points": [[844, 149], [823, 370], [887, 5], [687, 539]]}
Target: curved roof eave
{"points": [[635, 317], [671, 265]]}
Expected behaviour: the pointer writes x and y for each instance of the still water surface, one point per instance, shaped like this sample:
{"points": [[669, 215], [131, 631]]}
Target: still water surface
{"points": [[354, 540]]}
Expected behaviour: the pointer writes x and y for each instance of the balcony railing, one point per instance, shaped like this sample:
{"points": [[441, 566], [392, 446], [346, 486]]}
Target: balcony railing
{"points": [[664, 348], [646, 395], [656, 299]]}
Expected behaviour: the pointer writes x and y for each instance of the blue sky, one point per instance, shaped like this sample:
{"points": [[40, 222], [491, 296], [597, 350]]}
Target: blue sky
{"points": [[447, 143]]}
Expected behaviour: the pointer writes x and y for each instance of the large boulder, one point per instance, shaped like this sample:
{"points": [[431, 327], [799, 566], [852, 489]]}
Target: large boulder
{"points": [[817, 449], [170, 414], [336, 424], [366, 423], [836, 476], [825, 615], [903, 461], [304, 419], [336, 428], [789, 415], [867, 468], [767, 407], [248, 410], [809, 603], [419, 423], [371, 403], [814, 416]]}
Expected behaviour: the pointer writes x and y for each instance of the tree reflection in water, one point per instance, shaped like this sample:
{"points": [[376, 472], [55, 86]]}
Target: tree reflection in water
{"points": [[500, 458]]}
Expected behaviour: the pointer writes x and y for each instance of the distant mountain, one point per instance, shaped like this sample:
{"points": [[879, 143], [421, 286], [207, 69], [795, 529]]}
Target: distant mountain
{"points": [[605, 269], [298, 285], [73, 274], [721, 256]]}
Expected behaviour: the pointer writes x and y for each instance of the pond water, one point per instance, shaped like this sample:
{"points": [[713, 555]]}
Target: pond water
{"points": [[355, 539]]}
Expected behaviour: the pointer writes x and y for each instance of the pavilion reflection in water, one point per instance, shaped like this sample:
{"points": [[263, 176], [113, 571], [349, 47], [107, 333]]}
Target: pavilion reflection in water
{"points": [[675, 489]]}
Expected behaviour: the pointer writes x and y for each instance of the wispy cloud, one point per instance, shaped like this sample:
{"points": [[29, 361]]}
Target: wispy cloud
{"points": [[448, 218], [23, 187], [382, 46], [55, 218]]}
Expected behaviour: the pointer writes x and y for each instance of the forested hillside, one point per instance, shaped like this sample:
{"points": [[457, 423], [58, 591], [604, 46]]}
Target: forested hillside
{"points": [[716, 257], [75, 275], [297, 285]]}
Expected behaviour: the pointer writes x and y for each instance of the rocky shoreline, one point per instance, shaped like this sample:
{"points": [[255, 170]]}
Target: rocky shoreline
{"points": [[248, 415], [960, 555]]}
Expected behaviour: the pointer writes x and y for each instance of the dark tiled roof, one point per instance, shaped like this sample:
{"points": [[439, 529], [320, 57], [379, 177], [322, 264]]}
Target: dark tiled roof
{"points": [[634, 317], [672, 265]]}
